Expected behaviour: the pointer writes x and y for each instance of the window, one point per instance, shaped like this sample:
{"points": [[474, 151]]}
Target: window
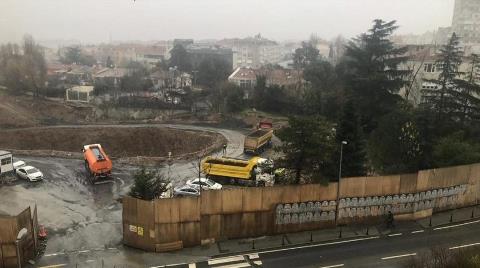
{"points": [[429, 67], [6, 161]]}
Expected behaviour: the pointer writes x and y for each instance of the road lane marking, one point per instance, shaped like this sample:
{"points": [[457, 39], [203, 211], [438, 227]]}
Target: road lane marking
{"points": [[239, 265], [456, 225], [464, 246], [83, 251], [192, 265], [319, 245], [419, 231], [55, 265], [333, 266], [170, 265], [226, 259], [399, 256], [89, 260], [257, 262], [395, 234], [253, 256], [54, 254]]}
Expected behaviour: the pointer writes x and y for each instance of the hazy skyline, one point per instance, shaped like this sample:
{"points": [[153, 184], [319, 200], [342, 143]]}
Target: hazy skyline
{"points": [[92, 21]]}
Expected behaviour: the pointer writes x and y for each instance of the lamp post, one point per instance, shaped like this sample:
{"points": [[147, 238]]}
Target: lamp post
{"points": [[339, 179], [21, 234]]}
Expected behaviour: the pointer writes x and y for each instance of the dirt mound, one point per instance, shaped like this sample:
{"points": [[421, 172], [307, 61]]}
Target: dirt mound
{"points": [[117, 141], [25, 111]]}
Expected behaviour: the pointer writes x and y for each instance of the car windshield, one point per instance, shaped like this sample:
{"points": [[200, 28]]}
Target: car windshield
{"points": [[32, 170]]}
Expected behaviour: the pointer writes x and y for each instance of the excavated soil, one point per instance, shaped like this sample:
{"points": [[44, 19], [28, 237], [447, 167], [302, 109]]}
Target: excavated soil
{"points": [[117, 141]]}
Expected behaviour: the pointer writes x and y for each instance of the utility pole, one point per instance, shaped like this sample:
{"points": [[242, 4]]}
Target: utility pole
{"points": [[339, 179]]}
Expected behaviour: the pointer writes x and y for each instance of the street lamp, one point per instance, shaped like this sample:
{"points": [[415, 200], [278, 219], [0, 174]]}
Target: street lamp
{"points": [[339, 179], [21, 234]]}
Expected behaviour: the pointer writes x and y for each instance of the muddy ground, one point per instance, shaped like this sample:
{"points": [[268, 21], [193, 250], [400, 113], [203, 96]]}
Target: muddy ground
{"points": [[117, 141]]}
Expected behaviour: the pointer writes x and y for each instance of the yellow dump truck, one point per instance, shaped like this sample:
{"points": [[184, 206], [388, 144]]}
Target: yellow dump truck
{"points": [[256, 141], [237, 171]]}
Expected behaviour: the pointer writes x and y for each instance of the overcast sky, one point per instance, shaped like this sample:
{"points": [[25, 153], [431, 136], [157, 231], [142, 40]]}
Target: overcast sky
{"points": [[96, 20]]}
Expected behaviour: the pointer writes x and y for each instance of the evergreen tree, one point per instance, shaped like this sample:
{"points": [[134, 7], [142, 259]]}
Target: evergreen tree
{"points": [[148, 185], [466, 96], [109, 63], [354, 154], [308, 146], [180, 58], [396, 145], [441, 99], [305, 55], [373, 74]]}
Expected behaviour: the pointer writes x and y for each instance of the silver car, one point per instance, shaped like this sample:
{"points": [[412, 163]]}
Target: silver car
{"points": [[186, 190]]}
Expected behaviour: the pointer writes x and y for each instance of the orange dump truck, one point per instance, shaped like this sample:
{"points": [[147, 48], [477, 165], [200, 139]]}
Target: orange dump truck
{"points": [[97, 163], [256, 141]]}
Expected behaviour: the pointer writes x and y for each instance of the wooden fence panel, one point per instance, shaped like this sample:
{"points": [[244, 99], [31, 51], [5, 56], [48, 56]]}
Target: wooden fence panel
{"points": [[211, 202], [231, 225], [211, 226], [167, 232], [189, 208], [8, 229], [232, 201], [271, 196], [291, 194], [2, 265], [308, 192], [167, 210], [446, 177], [408, 183], [327, 192], [382, 185], [252, 199], [352, 187], [9, 255], [190, 233]]}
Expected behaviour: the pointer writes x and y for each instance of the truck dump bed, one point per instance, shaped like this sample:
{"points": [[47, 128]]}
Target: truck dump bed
{"points": [[229, 167], [256, 140]]}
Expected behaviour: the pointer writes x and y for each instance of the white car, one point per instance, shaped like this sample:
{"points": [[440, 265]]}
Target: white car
{"points": [[29, 173], [18, 164], [205, 183]]}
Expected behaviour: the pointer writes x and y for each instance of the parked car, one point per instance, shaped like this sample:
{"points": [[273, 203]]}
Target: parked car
{"points": [[18, 164], [29, 173], [205, 183], [186, 190]]}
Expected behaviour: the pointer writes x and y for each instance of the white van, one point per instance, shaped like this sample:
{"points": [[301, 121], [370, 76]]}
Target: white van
{"points": [[6, 163]]}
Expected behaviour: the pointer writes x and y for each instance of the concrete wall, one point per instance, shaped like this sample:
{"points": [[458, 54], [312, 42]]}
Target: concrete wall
{"points": [[167, 224]]}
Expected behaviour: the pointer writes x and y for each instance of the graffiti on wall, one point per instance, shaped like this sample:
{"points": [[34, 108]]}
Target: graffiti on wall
{"points": [[359, 207]]}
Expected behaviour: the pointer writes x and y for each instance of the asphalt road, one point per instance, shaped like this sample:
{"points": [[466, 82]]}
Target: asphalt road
{"points": [[394, 250]]}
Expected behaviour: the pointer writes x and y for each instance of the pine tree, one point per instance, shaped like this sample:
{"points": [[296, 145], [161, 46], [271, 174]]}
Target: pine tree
{"points": [[466, 94], [148, 185], [441, 99], [354, 154], [373, 73]]}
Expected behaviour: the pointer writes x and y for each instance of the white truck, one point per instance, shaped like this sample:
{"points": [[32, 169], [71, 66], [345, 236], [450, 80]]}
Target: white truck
{"points": [[6, 163]]}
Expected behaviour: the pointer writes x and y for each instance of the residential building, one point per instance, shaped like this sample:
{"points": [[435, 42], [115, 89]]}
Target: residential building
{"points": [[247, 77], [255, 51], [79, 94], [423, 65], [466, 20]]}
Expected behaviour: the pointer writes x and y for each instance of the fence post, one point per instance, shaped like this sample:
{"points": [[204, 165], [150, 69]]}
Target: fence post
{"points": [[340, 234], [451, 217], [430, 222], [473, 213], [367, 231], [311, 237], [253, 243]]}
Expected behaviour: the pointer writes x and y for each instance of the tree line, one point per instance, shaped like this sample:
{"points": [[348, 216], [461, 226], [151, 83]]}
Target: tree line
{"points": [[358, 101]]}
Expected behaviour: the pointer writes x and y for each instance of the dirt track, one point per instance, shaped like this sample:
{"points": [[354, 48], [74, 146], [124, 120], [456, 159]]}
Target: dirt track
{"points": [[117, 141]]}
